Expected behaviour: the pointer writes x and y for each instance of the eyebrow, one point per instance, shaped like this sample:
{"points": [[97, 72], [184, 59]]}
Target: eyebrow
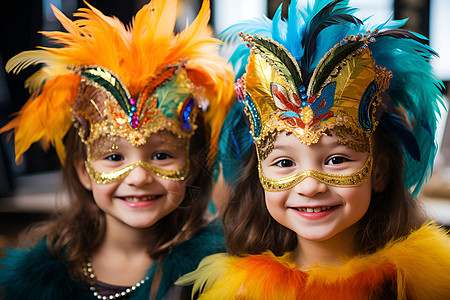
{"points": [[281, 147]]}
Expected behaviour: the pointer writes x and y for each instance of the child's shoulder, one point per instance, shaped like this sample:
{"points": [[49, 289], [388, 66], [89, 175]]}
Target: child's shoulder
{"points": [[33, 273]]}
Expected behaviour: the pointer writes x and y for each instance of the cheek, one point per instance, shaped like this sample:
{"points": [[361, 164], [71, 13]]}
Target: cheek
{"points": [[275, 202], [359, 197], [102, 193], [176, 190]]}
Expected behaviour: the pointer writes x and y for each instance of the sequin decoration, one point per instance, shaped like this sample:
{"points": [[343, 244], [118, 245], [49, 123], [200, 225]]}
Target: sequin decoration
{"points": [[365, 108], [111, 110], [256, 118], [114, 176], [185, 114]]}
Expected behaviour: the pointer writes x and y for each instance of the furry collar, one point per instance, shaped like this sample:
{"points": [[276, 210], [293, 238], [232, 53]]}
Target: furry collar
{"points": [[416, 267]]}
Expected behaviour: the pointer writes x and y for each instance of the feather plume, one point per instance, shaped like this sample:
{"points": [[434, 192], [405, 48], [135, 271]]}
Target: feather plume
{"points": [[133, 53], [327, 16], [421, 102], [234, 143]]}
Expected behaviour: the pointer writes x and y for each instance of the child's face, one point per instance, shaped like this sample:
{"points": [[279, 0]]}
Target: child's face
{"points": [[142, 194], [313, 209]]}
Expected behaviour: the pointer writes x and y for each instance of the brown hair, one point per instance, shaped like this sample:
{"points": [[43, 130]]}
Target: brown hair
{"points": [[72, 234], [392, 212]]}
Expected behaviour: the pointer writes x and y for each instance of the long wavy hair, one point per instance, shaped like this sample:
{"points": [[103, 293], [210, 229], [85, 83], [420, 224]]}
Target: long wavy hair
{"points": [[73, 233], [392, 212]]}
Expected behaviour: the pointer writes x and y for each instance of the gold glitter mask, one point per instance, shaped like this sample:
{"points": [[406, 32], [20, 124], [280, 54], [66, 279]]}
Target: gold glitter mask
{"points": [[339, 180], [110, 160], [343, 91], [114, 176]]}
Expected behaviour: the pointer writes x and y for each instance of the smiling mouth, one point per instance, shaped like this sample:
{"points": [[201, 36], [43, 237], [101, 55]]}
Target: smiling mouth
{"points": [[313, 209], [139, 199]]}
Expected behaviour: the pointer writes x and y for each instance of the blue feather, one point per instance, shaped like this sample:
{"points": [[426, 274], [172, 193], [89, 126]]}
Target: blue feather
{"points": [[393, 124], [289, 114], [234, 143]]}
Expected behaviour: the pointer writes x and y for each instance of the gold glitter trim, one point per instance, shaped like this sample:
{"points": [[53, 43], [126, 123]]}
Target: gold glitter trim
{"points": [[114, 176], [347, 180]]}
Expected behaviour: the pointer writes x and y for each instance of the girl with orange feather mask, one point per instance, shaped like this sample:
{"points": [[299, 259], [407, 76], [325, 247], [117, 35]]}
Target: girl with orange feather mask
{"points": [[134, 113]]}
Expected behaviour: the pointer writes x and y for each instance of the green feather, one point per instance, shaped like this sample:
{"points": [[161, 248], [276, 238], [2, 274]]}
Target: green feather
{"points": [[281, 59], [111, 83], [332, 58], [171, 95]]}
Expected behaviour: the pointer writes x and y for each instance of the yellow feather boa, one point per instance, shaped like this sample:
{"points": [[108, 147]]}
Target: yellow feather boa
{"points": [[417, 267]]}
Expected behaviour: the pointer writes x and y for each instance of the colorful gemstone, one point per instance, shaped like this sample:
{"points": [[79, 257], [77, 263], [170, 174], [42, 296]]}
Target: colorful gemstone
{"points": [[307, 115]]}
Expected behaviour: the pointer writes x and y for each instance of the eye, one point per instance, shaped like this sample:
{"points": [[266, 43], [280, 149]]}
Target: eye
{"points": [[335, 160], [114, 157], [161, 156], [285, 163]]}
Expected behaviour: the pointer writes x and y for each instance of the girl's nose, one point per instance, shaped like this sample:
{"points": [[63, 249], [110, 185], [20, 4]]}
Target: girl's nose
{"points": [[309, 187], [139, 176]]}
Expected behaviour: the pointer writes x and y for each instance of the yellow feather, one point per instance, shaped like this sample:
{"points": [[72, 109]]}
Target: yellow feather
{"points": [[216, 275]]}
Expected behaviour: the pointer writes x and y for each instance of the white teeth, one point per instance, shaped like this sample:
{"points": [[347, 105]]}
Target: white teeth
{"points": [[138, 199], [313, 209]]}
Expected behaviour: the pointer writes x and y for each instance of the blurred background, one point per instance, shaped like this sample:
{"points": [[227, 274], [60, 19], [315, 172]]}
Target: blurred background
{"points": [[30, 190]]}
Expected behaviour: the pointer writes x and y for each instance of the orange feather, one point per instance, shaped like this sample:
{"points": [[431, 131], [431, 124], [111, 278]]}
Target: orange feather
{"points": [[47, 117]]}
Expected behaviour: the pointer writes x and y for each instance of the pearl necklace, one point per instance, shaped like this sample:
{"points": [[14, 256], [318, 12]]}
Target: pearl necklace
{"points": [[89, 274]]}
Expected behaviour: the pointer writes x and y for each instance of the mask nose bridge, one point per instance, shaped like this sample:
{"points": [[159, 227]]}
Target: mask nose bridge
{"points": [[144, 165]]}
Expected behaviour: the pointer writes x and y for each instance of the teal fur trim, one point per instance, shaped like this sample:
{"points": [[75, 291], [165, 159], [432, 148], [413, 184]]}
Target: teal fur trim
{"points": [[185, 257], [30, 274]]}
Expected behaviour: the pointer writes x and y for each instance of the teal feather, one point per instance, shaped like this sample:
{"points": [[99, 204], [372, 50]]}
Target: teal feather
{"points": [[30, 275], [234, 143], [415, 88], [186, 256]]}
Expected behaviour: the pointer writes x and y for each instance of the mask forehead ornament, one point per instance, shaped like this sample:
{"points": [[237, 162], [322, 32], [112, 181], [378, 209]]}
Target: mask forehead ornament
{"points": [[105, 107], [343, 90]]}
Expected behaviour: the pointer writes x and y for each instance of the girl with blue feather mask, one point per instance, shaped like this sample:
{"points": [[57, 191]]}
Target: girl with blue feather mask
{"points": [[343, 119]]}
